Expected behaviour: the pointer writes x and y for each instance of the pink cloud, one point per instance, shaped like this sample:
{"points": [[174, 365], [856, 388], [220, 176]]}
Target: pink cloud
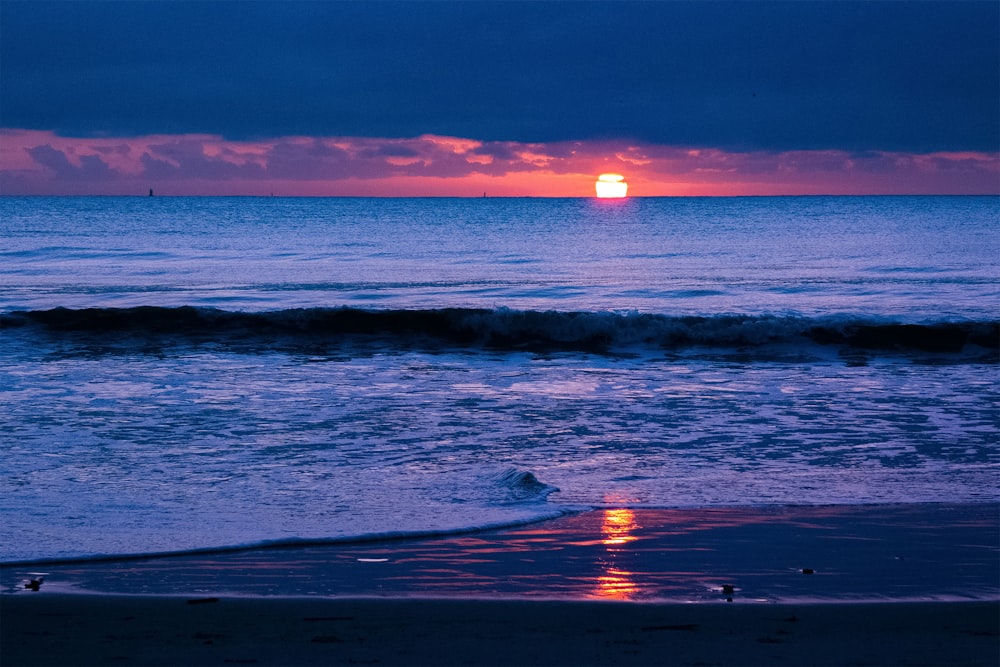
{"points": [[37, 162]]}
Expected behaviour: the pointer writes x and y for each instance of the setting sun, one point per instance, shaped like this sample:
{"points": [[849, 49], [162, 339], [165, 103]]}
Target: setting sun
{"points": [[611, 186]]}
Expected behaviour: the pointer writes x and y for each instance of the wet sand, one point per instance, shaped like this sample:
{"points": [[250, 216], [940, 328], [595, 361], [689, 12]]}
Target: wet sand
{"points": [[868, 585], [853, 553]]}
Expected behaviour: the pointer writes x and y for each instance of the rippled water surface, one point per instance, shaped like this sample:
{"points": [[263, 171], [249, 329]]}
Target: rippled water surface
{"points": [[138, 431]]}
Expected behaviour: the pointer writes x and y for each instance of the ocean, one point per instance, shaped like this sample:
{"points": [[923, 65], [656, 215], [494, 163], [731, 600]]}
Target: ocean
{"points": [[187, 374]]}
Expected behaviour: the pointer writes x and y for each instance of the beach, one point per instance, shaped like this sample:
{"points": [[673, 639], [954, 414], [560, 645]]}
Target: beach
{"points": [[700, 431], [84, 630], [863, 585], [489, 333]]}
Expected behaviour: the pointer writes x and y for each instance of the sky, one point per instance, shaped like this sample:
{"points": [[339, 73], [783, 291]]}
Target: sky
{"points": [[504, 98]]}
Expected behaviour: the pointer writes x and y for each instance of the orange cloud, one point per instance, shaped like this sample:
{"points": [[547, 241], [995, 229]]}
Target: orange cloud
{"points": [[37, 162]]}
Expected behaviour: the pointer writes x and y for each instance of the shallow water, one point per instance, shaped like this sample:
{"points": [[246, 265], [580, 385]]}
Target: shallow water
{"points": [[725, 554]]}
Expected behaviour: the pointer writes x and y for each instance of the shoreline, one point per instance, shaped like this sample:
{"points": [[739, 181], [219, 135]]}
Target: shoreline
{"points": [[833, 585], [107, 629], [758, 554]]}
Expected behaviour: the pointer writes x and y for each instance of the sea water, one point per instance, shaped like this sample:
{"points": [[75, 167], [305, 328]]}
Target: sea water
{"points": [[196, 373]]}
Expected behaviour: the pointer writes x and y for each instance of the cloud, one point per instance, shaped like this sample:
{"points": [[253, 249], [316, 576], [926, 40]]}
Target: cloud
{"points": [[87, 168], [737, 76], [34, 162]]}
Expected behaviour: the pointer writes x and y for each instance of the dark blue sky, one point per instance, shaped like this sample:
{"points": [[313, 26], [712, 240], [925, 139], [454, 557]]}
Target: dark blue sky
{"points": [[904, 76]]}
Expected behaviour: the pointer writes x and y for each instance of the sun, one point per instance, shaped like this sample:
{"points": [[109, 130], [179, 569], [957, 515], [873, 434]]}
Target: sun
{"points": [[611, 186]]}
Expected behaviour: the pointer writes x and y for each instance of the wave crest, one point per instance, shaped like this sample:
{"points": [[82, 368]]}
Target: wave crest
{"points": [[523, 485], [507, 329]]}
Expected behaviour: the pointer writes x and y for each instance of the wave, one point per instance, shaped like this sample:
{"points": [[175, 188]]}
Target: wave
{"points": [[522, 497], [522, 485], [543, 513], [507, 330]]}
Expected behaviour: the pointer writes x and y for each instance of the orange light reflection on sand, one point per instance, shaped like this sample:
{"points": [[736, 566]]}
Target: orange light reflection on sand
{"points": [[618, 526], [616, 584], [617, 529]]}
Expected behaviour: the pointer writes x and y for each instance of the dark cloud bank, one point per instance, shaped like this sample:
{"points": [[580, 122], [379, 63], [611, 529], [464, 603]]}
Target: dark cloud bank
{"points": [[856, 76]]}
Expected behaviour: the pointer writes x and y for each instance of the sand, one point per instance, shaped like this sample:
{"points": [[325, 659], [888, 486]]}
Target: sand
{"points": [[869, 585], [867, 553], [122, 630]]}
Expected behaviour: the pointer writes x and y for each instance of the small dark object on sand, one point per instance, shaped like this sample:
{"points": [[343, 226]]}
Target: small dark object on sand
{"points": [[34, 584], [728, 589], [808, 570]]}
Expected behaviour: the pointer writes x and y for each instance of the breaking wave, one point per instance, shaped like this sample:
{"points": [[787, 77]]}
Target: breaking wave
{"points": [[521, 495], [507, 330], [522, 485], [544, 513]]}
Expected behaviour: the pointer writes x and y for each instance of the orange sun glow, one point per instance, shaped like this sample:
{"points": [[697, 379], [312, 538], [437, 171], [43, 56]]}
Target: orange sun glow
{"points": [[611, 186]]}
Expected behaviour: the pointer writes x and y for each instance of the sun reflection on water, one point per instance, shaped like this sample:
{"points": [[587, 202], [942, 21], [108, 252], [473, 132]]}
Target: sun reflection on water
{"points": [[618, 526], [617, 529]]}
